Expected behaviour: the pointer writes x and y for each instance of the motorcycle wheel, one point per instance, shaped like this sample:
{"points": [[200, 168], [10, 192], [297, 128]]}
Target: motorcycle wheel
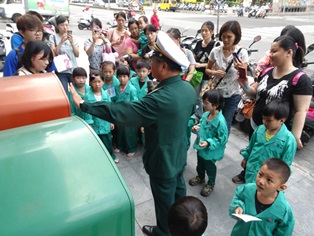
{"points": [[249, 16], [2, 59], [81, 27]]}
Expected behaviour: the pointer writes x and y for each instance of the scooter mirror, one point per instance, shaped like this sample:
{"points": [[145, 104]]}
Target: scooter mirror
{"points": [[199, 31], [257, 38], [310, 49]]}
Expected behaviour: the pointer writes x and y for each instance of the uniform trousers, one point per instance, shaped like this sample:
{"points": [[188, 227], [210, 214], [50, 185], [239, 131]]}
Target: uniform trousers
{"points": [[165, 193], [208, 166]]}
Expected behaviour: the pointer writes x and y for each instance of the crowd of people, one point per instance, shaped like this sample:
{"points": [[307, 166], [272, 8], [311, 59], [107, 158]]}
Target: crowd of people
{"points": [[139, 92]]}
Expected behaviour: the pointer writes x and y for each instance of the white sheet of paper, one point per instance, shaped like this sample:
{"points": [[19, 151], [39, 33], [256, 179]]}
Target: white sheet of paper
{"points": [[246, 217]]}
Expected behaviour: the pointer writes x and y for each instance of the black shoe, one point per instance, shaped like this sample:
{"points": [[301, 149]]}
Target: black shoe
{"points": [[148, 230]]}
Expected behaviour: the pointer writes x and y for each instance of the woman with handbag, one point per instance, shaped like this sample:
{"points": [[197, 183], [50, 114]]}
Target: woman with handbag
{"points": [[118, 35], [65, 45], [202, 51], [95, 46], [223, 66]]}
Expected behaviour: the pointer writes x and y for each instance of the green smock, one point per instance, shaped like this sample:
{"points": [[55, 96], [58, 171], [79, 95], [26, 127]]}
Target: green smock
{"points": [[277, 220], [282, 145]]}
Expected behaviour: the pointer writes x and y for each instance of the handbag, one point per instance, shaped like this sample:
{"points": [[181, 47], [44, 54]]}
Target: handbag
{"points": [[197, 78], [247, 109], [62, 62], [111, 56]]}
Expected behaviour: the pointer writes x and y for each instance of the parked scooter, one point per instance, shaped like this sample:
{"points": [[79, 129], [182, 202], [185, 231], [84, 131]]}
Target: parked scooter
{"points": [[252, 13], [189, 42], [3, 51]]}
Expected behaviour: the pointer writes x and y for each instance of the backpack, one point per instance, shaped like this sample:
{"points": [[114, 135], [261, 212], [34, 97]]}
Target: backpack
{"points": [[294, 80]]}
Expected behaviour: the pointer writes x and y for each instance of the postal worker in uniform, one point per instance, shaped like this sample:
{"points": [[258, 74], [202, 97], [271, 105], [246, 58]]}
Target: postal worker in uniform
{"points": [[164, 113]]}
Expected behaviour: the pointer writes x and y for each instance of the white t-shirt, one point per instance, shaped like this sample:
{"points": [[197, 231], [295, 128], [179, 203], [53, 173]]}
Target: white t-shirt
{"points": [[229, 85]]}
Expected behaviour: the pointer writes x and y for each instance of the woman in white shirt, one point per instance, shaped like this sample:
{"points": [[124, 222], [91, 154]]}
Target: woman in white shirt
{"points": [[218, 61]]}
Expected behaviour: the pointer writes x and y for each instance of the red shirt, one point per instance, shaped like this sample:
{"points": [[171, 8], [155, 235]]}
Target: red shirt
{"points": [[154, 20]]}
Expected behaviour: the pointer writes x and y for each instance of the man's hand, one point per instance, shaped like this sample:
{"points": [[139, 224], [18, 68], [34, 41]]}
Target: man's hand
{"points": [[75, 96], [243, 163]]}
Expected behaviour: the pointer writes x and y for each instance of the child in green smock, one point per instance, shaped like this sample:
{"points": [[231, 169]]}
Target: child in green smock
{"points": [[111, 81], [272, 139], [101, 127], [212, 136], [79, 77], [140, 81], [126, 136], [265, 200]]}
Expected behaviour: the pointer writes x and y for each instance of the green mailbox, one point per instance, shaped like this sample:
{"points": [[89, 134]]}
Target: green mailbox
{"points": [[57, 178]]}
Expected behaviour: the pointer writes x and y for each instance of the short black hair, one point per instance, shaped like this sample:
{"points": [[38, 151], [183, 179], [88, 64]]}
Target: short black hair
{"points": [[142, 64], [145, 19], [97, 22], [234, 27], [214, 97], [187, 217], [150, 28], [277, 108], [35, 47], [79, 71], [94, 74], [278, 165], [123, 70], [132, 21], [175, 33], [35, 13], [106, 63]]}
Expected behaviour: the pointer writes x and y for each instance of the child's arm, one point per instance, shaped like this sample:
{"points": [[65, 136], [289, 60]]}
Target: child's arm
{"points": [[237, 204], [220, 139], [289, 150]]}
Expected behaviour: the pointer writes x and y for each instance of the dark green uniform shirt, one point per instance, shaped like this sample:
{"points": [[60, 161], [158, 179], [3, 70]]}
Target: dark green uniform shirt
{"points": [[164, 114]]}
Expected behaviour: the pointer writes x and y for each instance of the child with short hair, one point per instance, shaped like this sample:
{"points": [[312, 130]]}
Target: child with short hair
{"points": [[265, 200], [101, 127], [187, 217], [272, 139], [212, 136], [126, 136], [79, 77], [108, 69], [140, 81]]}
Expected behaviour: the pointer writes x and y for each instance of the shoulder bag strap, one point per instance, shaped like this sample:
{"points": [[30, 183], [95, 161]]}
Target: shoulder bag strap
{"points": [[297, 77], [227, 69]]}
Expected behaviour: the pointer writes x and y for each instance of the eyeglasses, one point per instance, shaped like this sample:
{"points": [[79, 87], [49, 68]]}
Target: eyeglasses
{"points": [[36, 31], [205, 103]]}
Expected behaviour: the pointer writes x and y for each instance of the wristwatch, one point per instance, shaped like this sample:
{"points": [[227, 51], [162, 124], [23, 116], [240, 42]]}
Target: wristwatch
{"points": [[81, 102]]}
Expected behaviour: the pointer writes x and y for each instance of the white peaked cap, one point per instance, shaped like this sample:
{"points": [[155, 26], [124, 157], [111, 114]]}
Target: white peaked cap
{"points": [[168, 48]]}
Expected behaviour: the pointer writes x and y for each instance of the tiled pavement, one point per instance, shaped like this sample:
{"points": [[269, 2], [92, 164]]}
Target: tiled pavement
{"points": [[299, 193]]}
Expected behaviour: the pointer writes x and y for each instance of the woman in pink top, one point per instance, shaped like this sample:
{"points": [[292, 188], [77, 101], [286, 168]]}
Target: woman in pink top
{"points": [[118, 36], [131, 43]]}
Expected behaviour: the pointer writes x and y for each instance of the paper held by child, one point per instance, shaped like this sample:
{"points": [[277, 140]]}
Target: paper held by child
{"points": [[246, 218]]}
